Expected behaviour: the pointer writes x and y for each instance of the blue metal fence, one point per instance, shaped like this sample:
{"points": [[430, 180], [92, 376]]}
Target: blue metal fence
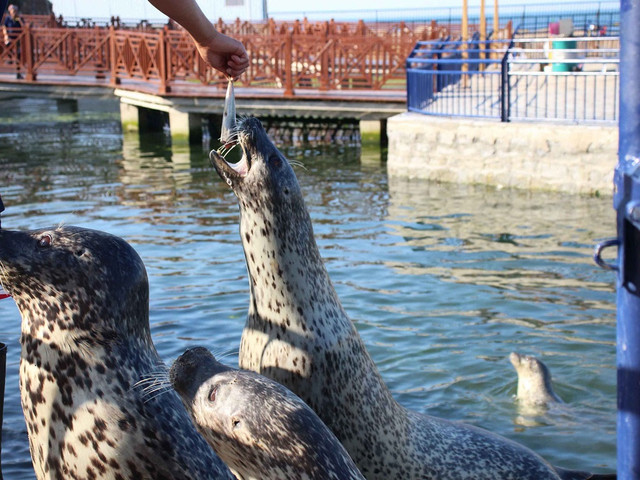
{"points": [[627, 204], [558, 79]]}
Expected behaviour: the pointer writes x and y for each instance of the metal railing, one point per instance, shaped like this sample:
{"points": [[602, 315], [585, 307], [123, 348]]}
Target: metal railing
{"points": [[163, 59], [558, 79], [324, 56]]}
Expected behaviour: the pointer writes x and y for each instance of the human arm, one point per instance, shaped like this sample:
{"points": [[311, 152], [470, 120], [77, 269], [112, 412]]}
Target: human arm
{"points": [[220, 51], [5, 32]]}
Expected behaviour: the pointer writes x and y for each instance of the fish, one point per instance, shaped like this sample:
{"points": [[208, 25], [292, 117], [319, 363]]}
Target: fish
{"points": [[227, 131]]}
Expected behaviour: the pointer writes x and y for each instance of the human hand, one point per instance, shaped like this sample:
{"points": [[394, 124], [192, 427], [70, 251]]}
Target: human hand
{"points": [[224, 53]]}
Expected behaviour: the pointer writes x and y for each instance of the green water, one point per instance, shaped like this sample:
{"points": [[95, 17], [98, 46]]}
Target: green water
{"points": [[442, 281]]}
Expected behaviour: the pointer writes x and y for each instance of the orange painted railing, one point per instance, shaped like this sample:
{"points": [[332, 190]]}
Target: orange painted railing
{"points": [[322, 56]]}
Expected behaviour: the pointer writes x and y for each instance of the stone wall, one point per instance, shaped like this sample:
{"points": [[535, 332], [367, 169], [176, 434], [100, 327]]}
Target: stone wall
{"points": [[546, 156]]}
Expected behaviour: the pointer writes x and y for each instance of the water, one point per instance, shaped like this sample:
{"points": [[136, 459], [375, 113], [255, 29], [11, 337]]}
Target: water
{"points": [[442, 281]]}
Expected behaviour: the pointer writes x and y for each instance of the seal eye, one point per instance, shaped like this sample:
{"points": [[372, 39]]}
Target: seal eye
{"points": [[45, 241], [212, 394], [275, 161]]}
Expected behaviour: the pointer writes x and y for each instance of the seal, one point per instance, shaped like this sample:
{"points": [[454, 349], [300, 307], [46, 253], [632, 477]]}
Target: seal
{"points": [[534, 381], [84, 300], [298, 334], [259, 428]]}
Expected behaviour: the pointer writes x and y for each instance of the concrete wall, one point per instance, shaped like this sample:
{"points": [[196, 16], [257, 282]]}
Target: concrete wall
{"points": [[571, 158]]}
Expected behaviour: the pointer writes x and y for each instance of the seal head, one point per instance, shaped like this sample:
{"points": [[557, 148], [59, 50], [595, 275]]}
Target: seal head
{"points": [[258, 427], [83, 283], [534, 381], [84, 300]]}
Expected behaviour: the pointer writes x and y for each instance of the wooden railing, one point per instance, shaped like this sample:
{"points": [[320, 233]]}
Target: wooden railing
{"points": [[321, 56]]}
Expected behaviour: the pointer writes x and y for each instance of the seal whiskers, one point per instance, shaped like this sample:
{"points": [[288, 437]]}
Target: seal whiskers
{"points": [[154, 384], [296, 163]]}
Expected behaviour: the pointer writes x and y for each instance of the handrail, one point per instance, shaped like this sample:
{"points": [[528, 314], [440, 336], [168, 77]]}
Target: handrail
{"points": [[564, 81], [286, 57]]}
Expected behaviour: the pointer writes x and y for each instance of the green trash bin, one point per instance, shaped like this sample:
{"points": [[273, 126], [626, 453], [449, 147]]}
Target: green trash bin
{"points": [[559, 52]]}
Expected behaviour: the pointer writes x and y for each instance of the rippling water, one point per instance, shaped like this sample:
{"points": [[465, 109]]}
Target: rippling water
{"points": [[442, 281]]}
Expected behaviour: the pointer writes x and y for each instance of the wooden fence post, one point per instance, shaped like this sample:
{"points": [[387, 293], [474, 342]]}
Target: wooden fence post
{"points": [[483, 34], [113, 60], [101, 64], [324, 62], [433, 31], [496, 30], [162, 62], [464, 47], [28, 50], [288, 65]]}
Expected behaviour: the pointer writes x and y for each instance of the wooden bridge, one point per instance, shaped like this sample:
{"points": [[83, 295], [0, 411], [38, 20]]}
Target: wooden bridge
{"points": [[301, 69]]}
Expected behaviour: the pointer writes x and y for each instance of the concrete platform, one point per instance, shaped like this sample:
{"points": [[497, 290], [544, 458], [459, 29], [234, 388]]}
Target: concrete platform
{"points": [[185, 108], [543, 156]]}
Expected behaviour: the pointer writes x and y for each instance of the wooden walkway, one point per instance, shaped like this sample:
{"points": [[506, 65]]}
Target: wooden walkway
{"points": [[303, 69], [209, 99], [343, 70], [167, 60]]}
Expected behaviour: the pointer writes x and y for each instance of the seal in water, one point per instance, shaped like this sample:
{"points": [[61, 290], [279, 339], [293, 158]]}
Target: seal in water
{"points": [[534, 381], [84, 300], [298, 334], [259, 428]]}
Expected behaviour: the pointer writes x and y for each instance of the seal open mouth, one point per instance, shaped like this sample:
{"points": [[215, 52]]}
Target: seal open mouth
{"points": [[230, 172], [248, 135]]}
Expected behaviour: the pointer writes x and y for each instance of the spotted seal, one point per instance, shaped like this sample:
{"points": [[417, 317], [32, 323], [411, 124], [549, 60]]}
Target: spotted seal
{"points": [[534, 381], [84, 300], [259, 428], [298, 334]]}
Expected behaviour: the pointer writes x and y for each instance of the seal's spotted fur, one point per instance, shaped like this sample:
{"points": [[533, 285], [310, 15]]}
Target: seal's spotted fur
{"points": [[298, 334], [83, 297], [259, 428]]}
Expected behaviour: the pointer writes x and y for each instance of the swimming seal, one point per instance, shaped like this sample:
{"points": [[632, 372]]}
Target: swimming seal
{"points": [[298, 334], [259, 428], [534, 381], [84, 300]]}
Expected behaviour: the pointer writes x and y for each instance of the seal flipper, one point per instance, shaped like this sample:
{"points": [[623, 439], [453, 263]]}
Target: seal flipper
{"points": [[578, 475]]}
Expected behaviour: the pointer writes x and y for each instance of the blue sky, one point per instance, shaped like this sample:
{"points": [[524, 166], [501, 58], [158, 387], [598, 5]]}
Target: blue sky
{"points": [[138, 9]]}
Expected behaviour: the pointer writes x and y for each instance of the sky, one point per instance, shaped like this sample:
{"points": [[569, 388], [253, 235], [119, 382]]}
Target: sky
{"points": [[139, 9]]}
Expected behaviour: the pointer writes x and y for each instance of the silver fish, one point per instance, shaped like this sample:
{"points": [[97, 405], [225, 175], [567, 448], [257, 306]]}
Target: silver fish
{"points": [[228, 117]]}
